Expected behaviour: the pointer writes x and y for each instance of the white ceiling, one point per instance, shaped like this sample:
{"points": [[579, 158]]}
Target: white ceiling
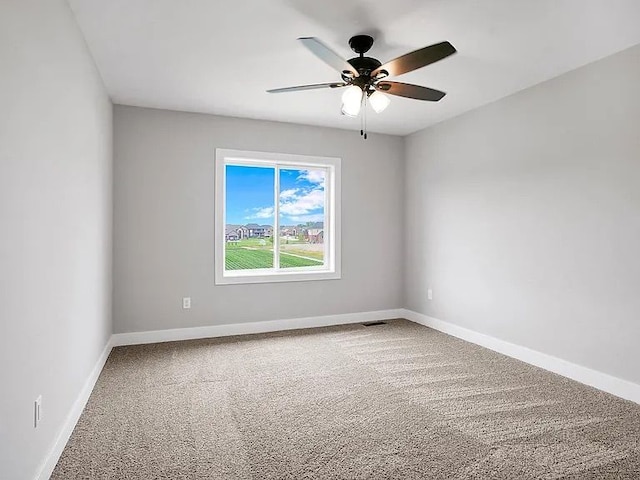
{"points": [[219, 56]]}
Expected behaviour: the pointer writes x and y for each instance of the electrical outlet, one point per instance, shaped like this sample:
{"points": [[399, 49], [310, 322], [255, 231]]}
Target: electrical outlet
{"points": [[430, 294], [186, 303], [37, 411]]}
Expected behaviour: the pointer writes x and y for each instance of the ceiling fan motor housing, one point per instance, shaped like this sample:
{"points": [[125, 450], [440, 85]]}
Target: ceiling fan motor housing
{"points": [[364, 65]]}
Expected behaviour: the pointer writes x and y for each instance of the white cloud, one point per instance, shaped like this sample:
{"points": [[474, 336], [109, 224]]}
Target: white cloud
{"points": [[285, 194], [303, 203], [265, 212], [312, 176], [298, 204]]}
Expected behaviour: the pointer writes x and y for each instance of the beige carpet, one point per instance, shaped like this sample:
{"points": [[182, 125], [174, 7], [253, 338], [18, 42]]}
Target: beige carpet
{"points": [[396, 401]]}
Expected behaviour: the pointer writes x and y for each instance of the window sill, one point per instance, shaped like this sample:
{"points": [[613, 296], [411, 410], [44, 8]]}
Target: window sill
{"points": [[254, 277]]}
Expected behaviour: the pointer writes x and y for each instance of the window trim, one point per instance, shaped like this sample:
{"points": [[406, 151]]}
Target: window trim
{"points": [[333, 271]]}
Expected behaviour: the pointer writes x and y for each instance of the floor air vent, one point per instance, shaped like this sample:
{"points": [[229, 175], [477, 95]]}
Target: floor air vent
{"points": [[373, 324]]}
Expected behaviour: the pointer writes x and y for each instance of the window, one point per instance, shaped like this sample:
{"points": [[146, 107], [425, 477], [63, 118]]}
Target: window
{"points": [[277, 217]]}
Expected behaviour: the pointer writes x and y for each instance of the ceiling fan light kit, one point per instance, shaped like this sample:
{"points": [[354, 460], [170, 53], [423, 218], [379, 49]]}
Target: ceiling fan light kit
{"points": [[364, 77], [379, 101], [352, 101]]}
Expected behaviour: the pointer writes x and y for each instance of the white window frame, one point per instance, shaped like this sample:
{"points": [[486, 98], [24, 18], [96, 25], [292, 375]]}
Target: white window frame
{"points": [[332, 268]]}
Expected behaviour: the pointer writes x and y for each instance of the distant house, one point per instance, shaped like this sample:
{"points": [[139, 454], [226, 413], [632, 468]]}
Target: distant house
{"points": [[251, 230], [231, 236], [258, 231], [243, 232], [314, 235], [232, 233], [289, 231]]}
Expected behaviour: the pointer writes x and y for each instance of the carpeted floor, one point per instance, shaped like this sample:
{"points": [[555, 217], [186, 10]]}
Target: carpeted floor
{"points": [[395, 401]]}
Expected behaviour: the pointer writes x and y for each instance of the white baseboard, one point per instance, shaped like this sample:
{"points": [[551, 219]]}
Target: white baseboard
{"points": [[602, 381], [74, 415], [156, 336]]}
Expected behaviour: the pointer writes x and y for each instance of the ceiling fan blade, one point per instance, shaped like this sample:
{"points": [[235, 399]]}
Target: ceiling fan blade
{"points": [[416, 59], [307, 87], [410, 91], [327, 55]]}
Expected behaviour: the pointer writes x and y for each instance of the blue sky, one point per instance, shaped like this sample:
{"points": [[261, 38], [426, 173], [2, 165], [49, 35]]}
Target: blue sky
{"points": [[250, 195]]}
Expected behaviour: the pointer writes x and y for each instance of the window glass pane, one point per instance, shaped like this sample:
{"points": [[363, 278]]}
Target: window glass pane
{"points": [[249, 217], [302, 217]]}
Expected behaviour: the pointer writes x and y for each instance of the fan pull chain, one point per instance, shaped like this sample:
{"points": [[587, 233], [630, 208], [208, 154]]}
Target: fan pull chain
{"points": [[364, 115], [361, 118]]}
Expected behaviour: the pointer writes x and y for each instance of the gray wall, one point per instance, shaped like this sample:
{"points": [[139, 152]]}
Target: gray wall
{"points": [[55, 225], [524, 218], [163, 221]]}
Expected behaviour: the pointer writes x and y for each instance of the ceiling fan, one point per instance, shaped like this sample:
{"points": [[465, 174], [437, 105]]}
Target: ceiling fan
{"points": [[365, 77]]}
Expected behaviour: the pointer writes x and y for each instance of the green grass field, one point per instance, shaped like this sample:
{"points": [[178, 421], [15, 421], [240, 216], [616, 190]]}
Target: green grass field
{"points": [[239, 257], [306, 253]]}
